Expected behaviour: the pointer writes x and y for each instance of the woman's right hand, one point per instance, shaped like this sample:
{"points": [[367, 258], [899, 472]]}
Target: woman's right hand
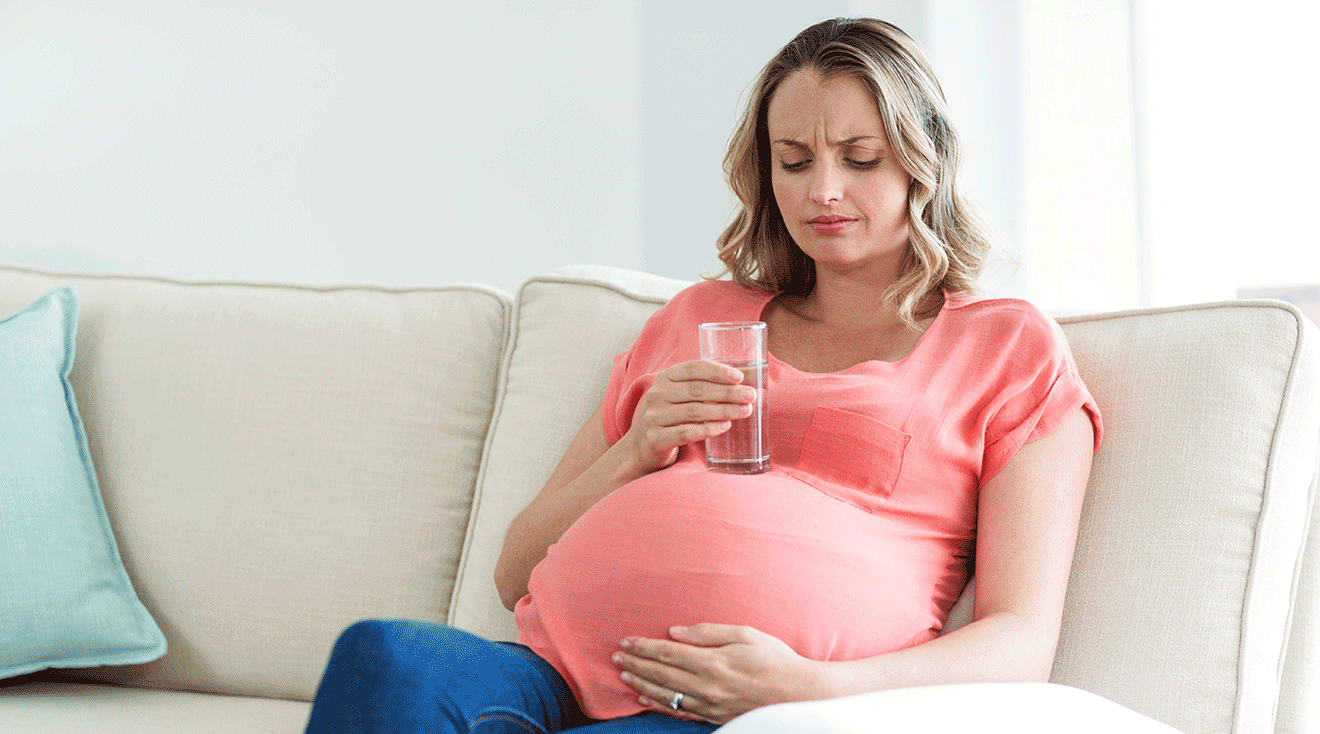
{"points": [[687, 402]]}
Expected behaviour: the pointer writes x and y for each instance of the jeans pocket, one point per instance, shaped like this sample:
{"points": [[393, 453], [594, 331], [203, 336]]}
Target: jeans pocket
{"points": [[851, 457]]}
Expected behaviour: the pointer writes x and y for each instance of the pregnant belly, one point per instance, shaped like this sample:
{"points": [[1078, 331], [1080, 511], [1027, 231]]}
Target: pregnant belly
{"points": [[684, 546]]}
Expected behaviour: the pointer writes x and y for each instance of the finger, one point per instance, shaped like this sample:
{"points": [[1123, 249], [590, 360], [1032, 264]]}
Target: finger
{"points": [[704, 369], [669, 392], [675, 414], [666, 652], [688, 391], [660, 697], [686, 433], [658, 674], [651, 679], [709, 634]]}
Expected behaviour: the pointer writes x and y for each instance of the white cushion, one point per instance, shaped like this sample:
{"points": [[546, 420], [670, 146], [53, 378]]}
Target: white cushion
{"points": [[44, 708], [1011, 708], [1196, 515]]}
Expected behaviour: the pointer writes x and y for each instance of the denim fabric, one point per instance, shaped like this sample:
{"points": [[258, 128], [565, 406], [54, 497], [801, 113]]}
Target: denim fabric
{"points": [[408, 677]]}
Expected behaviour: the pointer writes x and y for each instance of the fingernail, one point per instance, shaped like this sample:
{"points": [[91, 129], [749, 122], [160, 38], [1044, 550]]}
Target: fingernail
{"points": [[677, 630], [625, 677], [617, 658], [625, 644]]}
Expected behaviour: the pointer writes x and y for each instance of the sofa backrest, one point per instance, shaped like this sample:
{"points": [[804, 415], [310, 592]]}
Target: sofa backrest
{"points": [[278, 462]]}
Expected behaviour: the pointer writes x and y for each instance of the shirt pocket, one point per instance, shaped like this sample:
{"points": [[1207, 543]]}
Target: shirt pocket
{"points": [[851, 457]]}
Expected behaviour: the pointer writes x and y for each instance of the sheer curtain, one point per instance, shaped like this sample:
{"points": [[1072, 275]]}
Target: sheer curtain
{"points": [[1168, 152], [1231, 154], [1137, 152]]}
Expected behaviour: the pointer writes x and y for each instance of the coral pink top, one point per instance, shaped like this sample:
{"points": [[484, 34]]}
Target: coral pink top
{"points": [[858, 539]]}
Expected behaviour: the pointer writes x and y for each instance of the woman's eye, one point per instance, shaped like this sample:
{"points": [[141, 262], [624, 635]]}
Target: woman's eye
{"points": [[865, 164], [798, 166]]}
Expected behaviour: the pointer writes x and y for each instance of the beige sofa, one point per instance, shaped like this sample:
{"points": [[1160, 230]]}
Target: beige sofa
{"points": [[277, 462]]}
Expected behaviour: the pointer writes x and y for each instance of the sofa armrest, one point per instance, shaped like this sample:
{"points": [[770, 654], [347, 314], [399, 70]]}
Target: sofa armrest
{"points": [[1021, 708]]}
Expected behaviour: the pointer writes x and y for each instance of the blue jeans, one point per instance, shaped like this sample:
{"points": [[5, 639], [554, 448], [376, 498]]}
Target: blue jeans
{"points": [[403, 677]]}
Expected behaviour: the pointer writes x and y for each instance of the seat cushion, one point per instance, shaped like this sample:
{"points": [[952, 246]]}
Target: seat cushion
{"points": [[59, 708]]}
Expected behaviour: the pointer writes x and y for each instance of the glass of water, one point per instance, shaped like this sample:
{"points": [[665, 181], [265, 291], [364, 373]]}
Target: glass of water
{"points": [[742, 449]]}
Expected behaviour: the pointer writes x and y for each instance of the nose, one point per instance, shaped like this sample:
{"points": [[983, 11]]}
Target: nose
{"points": [[826, 183]]}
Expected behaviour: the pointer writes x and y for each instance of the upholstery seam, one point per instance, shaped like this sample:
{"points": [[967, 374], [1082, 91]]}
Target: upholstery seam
{"points": [[488, 290]]}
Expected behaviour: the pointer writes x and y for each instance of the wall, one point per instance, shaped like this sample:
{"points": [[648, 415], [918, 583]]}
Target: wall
{"points": [[393, 142], [698, 60], [406, 143]]}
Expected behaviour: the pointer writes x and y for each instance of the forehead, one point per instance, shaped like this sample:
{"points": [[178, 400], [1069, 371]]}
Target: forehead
{"points": [[807, 107]]}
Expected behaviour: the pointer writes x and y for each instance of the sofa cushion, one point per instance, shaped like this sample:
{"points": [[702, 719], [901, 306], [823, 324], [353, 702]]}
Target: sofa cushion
{"points": [[279, 462], [65, 599], [1196, 515], [992, 708], [568, 326], [60, 708]]}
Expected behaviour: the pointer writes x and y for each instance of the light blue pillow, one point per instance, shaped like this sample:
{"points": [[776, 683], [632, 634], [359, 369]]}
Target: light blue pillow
{"points": [[65, 599]]}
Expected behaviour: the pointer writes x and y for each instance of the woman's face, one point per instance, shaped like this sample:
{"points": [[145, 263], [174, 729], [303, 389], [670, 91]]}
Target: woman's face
{"points": [[839, 186]]}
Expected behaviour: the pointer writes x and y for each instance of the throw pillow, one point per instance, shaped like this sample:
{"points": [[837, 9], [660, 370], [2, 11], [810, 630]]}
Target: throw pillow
{"points": [[65, 598]]}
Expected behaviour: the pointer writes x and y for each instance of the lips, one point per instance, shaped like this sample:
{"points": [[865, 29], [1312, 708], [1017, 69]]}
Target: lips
{"points": [[830, 224]]}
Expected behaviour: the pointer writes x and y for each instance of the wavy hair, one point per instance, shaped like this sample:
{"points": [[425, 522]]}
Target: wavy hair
{"points": [[949, 243]]}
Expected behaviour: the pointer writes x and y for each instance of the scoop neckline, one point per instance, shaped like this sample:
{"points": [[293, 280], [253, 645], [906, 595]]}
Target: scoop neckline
{"points": [[880, 363]]}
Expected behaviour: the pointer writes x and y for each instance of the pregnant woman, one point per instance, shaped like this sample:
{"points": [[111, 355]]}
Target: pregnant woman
{"points": [[918, 432]]}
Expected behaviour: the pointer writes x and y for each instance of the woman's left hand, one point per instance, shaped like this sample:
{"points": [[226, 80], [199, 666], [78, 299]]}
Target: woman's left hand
{"points": [[722, 671]]}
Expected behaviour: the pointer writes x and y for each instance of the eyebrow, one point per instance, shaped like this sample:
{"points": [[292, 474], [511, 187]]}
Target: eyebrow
{"points": [[849, 141]]}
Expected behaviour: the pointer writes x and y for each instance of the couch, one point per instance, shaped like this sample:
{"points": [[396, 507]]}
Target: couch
{"points": [[277, 462]]}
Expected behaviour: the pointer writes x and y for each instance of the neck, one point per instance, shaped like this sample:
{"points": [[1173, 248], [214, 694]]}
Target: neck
{"points": [[854, 297], [833, 301]]}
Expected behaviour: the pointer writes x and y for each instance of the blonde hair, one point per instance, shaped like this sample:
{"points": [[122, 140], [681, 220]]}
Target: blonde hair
{"points": [[949, 242]]}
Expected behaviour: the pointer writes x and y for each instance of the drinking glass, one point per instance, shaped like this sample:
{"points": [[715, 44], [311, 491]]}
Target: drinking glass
{"points": [[743, 448]]}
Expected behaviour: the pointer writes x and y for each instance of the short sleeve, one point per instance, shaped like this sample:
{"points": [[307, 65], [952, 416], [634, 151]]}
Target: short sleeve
{"points": [[669, 337], [635, 369], [617, 424], [1041, 389]]}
